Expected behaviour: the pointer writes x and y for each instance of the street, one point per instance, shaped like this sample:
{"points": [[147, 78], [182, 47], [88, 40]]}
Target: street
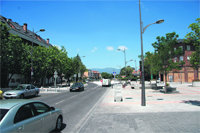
{"points": [[76, 106]]}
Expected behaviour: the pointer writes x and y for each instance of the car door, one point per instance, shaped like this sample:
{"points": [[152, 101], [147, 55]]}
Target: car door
{"points": [[33, 90], [25, 120], [27, 91], [44, 111]]}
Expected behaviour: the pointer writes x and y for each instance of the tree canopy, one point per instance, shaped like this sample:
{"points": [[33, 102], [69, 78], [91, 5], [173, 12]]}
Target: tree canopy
{"points": [[20, 58], [193, 38]]}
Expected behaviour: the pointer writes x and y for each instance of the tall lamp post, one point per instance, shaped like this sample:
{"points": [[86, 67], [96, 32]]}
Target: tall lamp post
{"points": [[33, 37], [143, 103], [124, 51]]}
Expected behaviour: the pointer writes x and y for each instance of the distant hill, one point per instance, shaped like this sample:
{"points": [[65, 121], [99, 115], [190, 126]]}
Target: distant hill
{"points": [[108, 70]]}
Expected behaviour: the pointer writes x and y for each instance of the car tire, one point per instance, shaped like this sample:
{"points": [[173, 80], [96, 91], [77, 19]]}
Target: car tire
{"points": [[36, 94], [21, 96], [59, 123]]}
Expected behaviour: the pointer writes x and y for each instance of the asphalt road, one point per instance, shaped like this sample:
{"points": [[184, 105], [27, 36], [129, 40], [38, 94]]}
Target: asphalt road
{"points": [[76, 106]]}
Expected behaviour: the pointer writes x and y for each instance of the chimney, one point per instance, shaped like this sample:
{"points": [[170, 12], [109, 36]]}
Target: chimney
{"points": [[25, 27], [47, 40]]}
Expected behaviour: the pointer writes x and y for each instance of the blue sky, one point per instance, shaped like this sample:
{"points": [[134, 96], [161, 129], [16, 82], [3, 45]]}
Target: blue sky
{"points": [[97, 28]]}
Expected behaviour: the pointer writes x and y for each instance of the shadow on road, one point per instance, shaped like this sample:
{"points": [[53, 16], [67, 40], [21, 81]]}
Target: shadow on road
{"points": [[192, 102], [63, 127]]}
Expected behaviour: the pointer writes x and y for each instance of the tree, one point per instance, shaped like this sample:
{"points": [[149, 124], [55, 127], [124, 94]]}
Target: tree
{"points": [[164, 47], [106, 75], [78, 66], [12, 55], [127, 71], [151, 64], [193, 37]]}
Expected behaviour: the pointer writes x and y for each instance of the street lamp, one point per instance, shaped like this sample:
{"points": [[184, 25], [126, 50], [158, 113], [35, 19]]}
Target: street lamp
{"points": [[129, 61], [33, 35], [142, 58], [124, 51]]}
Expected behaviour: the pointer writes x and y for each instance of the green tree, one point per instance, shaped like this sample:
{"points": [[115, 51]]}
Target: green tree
{"points": [[106, 75], [164, 47], [151, 64], [127, 71], [12, 55], [78, 66], [193, 37]]}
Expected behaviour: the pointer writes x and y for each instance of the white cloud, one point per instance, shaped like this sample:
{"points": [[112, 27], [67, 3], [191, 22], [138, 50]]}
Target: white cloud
{"points": [[110, 48], [122, 47], [57, 46], [94, 49]]}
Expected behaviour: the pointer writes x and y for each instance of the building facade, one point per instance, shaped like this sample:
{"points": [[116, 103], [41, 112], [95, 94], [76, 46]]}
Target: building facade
{"points": [[28, 37], [187, 72]]}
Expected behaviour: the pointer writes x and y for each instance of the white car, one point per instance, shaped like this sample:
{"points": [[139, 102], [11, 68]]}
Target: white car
{"points": [[28, 116], [22, 90]]}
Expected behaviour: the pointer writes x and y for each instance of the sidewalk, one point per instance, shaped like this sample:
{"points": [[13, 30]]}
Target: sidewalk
{"points": [[169, 113]]}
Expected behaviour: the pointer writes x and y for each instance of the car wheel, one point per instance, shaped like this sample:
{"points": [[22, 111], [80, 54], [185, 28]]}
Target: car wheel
{"points": [[36, 94], [59, 123], [21, 96]]}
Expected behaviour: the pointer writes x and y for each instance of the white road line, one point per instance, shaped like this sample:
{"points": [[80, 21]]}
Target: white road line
{"points": [[59, 102], [84, 120]]}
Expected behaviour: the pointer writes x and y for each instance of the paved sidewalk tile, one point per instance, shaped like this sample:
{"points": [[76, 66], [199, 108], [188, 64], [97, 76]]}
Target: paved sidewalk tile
{"points": [[163, 113]]}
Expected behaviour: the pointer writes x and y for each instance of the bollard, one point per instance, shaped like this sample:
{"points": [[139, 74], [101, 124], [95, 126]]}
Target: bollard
{"points": [[118, 94]]}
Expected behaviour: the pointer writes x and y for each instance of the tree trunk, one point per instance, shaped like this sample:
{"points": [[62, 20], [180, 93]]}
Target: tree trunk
{"points": [[165, 82]]}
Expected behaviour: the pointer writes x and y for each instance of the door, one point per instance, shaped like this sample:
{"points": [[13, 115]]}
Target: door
{"points": [[44, 111], [25, 120]]}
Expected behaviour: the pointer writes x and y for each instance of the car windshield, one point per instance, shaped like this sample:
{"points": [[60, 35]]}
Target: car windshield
{"points": [[3, 113], [20, 87], [75, 85]]}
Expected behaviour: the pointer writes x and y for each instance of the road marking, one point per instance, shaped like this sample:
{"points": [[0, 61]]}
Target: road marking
{"points": [[59, 102], [84, 120], [73, 96]]}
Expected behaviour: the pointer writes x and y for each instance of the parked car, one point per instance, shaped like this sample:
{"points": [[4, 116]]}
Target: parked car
{"points": [[77, 87], [22, 90], [28, 116]]}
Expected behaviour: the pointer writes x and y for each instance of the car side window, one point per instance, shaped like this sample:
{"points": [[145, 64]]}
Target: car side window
{"points": [[32, 87], [41, 108], [24, 113], [28, 87]]}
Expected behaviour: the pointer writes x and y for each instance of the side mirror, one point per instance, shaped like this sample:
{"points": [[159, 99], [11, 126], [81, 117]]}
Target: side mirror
{"points": [[52, 108]]}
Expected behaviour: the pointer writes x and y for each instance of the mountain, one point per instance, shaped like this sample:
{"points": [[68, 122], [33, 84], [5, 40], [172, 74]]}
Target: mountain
{"points": [[108, 70]]}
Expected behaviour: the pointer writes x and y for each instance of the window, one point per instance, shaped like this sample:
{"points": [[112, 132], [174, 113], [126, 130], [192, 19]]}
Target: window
{"points": [[41, 108], [24, 113], [3, 113], [175, 59], [32, 87], [181, 47], [28, 87], [18, 80], [188, 48], [174, 49], [181, 58], [12, 80], [188, 58]]}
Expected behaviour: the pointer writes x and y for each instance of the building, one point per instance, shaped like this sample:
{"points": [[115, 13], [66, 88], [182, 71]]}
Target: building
{"points": [[90, 74], [187, 73], [26, 35], [96, 75]]}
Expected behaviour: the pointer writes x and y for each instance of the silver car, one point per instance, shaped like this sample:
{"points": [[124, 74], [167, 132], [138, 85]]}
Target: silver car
{"points": [[28, 116], [22, 90]]}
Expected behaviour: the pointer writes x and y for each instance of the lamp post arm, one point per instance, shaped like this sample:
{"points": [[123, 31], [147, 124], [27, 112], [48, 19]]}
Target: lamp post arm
{"points": [[146, 27]]}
